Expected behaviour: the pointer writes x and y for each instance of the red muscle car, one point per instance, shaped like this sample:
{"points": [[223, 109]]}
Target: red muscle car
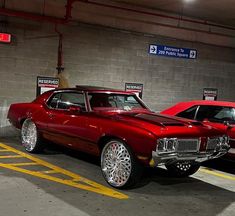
{"points": [[117, 126], [219, 114]]}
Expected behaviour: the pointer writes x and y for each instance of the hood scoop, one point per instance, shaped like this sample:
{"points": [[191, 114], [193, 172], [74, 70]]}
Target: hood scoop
{"points": [[157, 119], [164, 121]]}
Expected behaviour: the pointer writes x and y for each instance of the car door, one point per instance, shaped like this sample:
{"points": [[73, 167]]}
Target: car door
{"points": [[220, 117], [66, 127]]}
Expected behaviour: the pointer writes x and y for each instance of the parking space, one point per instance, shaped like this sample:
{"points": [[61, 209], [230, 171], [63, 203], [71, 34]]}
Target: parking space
{"points": [[64, 182], [39, 168], [129, 81]]}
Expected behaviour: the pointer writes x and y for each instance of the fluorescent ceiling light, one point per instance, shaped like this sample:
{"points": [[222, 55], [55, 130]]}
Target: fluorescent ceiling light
{"points": [[188, 1]]}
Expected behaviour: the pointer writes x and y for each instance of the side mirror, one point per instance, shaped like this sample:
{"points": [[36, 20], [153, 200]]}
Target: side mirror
{"points": [[229, 126], [74, 109]]}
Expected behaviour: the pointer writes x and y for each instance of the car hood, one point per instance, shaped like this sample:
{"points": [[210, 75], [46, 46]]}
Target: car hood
{"points": [[163, 125]]}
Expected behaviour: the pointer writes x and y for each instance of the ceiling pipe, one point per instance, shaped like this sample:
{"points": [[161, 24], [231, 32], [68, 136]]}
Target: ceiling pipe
{"points": [[69, 7], [31, 16], [68, 14], [60, 67], [207, 23], [41, 18]]}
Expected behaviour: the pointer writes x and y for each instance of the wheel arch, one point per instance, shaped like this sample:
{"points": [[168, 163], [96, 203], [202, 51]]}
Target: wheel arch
{"points": [[107, 137], [22, 121]]}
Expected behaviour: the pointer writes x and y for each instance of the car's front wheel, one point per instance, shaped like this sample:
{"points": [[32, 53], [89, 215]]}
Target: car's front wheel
{"points": [[183, 168], [30, 137], [119, 166]]}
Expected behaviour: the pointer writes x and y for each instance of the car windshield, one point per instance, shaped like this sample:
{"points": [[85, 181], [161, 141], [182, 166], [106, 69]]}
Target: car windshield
{"points": [[216, 114], [104, 101]]}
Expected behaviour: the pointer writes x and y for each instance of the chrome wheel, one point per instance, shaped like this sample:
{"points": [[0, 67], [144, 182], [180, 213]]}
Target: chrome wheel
{"points": [[29, 135], [116, 163]]}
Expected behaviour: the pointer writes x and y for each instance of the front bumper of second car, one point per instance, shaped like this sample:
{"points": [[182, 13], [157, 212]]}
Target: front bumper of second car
{"points": [[160, 157]]}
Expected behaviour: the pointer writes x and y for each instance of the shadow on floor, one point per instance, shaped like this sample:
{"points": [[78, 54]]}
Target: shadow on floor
{"points": [[157, 193]]}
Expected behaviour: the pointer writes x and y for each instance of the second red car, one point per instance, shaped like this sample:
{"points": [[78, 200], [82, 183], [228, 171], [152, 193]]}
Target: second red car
{"points": [[219, 114]]}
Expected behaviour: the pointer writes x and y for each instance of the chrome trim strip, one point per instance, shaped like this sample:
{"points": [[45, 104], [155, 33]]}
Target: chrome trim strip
{"points": [[196, 112], [161, 159]]}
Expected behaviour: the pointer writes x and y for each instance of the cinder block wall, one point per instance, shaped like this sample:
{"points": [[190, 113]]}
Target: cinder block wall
{"points": [[108, 57], [33, 52], [95, 55]]}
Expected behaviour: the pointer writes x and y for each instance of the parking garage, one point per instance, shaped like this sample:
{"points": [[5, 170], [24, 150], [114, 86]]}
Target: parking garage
{"points": [[166, 52]]}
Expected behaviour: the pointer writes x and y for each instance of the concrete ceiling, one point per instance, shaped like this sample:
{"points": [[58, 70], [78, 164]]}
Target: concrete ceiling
{"points": [[206, 21], [219, 11]]}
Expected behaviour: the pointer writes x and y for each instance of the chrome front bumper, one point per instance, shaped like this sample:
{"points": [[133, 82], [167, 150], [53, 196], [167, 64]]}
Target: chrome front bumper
{"points": [[167, 158]]}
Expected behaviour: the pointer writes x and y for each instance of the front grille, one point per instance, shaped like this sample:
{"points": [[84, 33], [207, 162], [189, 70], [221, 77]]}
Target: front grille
{"points": [[188, 145], [212, 144]]}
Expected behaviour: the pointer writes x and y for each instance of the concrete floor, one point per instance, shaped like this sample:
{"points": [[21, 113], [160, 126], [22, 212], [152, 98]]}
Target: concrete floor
{"points": [[202, 194]]}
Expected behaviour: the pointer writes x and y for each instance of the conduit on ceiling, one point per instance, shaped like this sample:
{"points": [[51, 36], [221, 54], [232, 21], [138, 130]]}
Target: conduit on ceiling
{"points": [[68, 17], [68, 14]]}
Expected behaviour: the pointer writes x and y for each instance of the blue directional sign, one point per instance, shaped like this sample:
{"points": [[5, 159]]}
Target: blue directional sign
{"points": [[174, 52]]}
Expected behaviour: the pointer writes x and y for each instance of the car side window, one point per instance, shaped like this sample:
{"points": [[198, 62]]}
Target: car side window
{"points": [[71, 98], [189, 113], [116, 101], [216, 113], [53, 102]]}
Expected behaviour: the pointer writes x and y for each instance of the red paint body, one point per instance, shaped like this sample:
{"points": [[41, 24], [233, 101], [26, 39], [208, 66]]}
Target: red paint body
{"points": [[88, 130], [183, 106]]}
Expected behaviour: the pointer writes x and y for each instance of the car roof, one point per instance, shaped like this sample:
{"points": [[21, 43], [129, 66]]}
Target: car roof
{"points": [[181, 106], [93, 89], [212, 103], [88, 87]]}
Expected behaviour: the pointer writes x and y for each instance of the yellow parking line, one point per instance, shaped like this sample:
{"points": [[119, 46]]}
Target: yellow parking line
{"points": [[22, 164], [4, 150], [10, 156], [75, 180], [212, 172], [49, 171], [81, 182]]}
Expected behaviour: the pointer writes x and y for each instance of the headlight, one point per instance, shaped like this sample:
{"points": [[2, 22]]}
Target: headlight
{"points": [[167, 145]]}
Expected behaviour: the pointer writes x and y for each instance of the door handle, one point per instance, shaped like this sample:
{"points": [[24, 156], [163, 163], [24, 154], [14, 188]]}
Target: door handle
{"points": [[51, 115]]}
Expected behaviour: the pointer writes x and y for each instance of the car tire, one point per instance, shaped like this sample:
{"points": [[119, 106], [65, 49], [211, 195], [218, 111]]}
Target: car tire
{"points": [[183, 168], [30, 137], [119, 166]]}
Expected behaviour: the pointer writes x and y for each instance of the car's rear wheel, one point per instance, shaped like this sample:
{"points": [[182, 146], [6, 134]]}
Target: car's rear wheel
{"points": [[183, 168], [119, 166], [30, 137]]}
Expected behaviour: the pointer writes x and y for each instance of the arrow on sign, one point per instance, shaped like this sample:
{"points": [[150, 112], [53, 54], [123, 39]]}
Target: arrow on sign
{"points": [[193, 54], [153, 49]]}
